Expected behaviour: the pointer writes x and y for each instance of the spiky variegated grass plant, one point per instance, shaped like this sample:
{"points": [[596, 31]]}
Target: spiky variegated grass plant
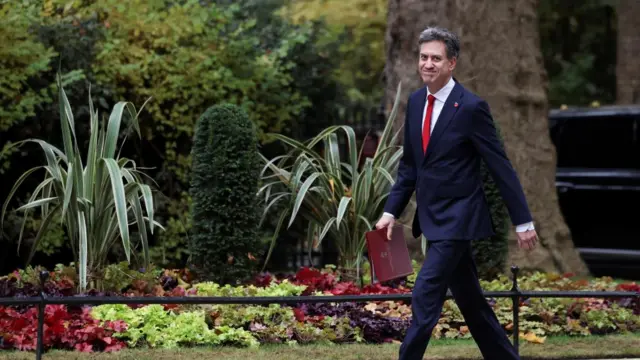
{"points": [[339, 200], [98, 201]]}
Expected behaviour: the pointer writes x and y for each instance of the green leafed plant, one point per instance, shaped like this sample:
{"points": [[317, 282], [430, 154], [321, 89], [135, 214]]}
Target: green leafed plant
{"points": [[96, 201], [224, 182], [157, 328], [337, 198]]}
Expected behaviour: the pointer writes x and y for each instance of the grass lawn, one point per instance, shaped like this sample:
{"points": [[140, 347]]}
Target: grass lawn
{"points": [[560, 347]]}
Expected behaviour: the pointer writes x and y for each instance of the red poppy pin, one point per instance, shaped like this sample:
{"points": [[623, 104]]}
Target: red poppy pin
{"points": [[455, 105]]}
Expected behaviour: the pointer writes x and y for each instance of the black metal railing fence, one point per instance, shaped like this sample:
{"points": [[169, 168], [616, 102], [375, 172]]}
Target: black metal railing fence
{"points": [[514, 293]]}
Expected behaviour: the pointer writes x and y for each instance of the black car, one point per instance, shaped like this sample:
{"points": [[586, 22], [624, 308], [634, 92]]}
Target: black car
{"points": [[598, 184]]}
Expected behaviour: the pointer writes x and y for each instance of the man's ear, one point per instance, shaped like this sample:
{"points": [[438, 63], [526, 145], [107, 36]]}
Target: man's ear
{"points": [[453, 62]]}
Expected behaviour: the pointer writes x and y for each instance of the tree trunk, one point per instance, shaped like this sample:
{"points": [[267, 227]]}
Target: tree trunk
{"points": [[500, 60], [628, 50]]}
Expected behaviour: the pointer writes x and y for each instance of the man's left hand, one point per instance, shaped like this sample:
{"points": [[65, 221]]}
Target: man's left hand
{"points": [[527, 239]]}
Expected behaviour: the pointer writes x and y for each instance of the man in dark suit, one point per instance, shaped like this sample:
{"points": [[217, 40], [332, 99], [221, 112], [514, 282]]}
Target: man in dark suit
{"points": [[447, 132]]}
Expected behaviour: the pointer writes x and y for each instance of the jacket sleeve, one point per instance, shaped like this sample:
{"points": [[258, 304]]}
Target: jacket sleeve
{"points": [[404, 186], [485, 139]]}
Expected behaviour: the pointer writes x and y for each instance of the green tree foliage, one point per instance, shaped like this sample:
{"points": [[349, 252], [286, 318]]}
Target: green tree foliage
{"points": [[186, 56], [578, 41], [311, 60], [358, 27], [22, 57], [224, 183]]}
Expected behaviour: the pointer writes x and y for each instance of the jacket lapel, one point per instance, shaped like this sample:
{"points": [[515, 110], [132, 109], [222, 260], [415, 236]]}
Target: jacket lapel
{"points": [[418, 109], [446, 115]]}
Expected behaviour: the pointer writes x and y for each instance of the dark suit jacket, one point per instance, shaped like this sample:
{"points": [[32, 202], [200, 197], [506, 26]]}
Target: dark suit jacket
{"points": [[451, 203]]}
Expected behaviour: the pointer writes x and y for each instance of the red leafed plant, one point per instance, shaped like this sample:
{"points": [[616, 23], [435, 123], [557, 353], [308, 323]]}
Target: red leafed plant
{"points": [[628, 287], [349, 288], [378, 288], [62, 330], [317, 280], [345, 288], [314, 279]]}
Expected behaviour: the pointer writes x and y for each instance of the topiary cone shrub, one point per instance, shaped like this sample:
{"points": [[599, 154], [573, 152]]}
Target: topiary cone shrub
{"points": [[224, 183], [490, 254]]}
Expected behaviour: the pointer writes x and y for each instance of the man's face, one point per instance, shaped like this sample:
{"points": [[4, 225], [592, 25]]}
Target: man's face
{"points": [[435, 68]]}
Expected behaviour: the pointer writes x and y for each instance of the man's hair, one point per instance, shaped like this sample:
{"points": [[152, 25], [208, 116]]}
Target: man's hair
{"points": [[450, 40]]}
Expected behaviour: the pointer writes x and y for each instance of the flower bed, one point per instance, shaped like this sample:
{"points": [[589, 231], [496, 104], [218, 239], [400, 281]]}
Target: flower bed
{"points": [[113, 327]]}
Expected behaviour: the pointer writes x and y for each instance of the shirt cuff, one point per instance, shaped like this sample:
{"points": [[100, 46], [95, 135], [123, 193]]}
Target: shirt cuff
{"points": [[389, 214], [525, 227]]}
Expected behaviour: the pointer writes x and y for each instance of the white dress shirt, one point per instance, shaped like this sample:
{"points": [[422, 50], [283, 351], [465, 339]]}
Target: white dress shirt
{"points": [[441, 96]]}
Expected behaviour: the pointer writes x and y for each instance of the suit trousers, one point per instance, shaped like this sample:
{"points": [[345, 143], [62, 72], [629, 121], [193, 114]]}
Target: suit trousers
{"points": [[450, 264]]}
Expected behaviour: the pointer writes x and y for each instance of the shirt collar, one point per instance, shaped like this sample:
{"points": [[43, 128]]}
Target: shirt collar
{"points": [[443, 93]]}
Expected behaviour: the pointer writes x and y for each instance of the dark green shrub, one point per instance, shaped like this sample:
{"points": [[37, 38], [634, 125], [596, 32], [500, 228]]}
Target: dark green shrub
{"points": [[491, 253], [224, 183]]}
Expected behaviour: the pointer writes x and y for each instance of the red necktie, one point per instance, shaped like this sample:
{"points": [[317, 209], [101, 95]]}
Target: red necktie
{"points": [[426, 128]]}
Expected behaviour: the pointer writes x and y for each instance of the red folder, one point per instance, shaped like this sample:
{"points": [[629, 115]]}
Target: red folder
{"points": [[389, 259]]}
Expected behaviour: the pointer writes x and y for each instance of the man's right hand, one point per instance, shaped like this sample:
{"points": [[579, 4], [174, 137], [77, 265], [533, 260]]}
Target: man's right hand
{"points": [[388, 222]]}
